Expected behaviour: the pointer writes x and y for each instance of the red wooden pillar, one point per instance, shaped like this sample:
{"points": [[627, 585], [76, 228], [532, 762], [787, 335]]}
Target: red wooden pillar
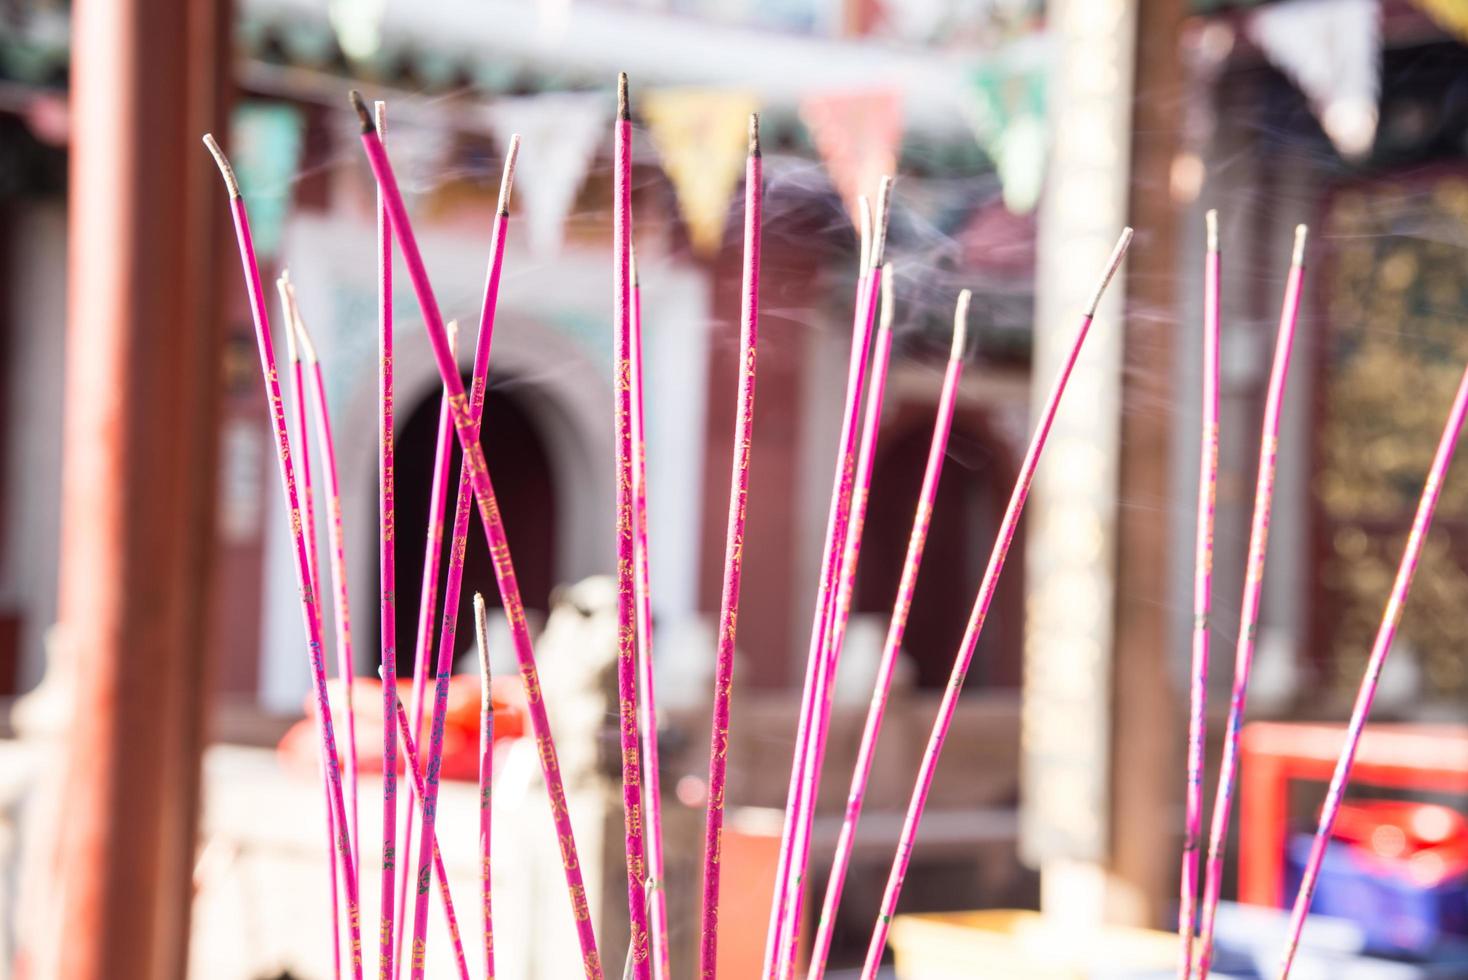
{"points": [[146, 222]]}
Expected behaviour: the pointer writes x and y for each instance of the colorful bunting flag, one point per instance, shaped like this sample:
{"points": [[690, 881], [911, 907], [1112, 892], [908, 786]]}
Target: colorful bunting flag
{"points": [[1331, 49], [858, 135], [702, 136], [559, 136], [1007, 113]]}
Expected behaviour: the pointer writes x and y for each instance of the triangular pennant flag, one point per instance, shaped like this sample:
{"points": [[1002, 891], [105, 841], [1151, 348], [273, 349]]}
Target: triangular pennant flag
{"points": [[1331, 49], [857, 135], [1451, 15], [559, 136], [702, 136], [1008, 117]]}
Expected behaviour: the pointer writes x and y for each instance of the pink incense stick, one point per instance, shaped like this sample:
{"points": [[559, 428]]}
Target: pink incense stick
{"points": [[288, 314], [896, 627], [861, 329], [626, 600], [1253, 588], [647, 712], [841, 608], [1391, 617], [466, 426], [733, 555], [415, 770], [387, 578], [427, 606], [458, 544], [1202, 598], [486, 780], [980, 611], [310, 610], [337, 538]]}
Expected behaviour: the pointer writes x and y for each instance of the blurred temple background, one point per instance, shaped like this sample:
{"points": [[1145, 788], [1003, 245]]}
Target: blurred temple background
{"points": [[136, 461]]}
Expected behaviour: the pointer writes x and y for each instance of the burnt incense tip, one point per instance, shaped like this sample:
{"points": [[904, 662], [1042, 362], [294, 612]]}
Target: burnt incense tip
{"points": [[754, 134], [881, 219], [363, 115], [452, 329], [1301, 233], [960, 324], [632, 266], [884, 322], [379, 116], [308, 348], [481, 629], [288, 312], [864, 210], [507, 179], [1211, 220], [231, 183], [1112, 264], [624, 110]]}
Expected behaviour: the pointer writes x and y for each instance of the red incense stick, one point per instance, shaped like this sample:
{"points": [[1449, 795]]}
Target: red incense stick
{"points": [[387, 577], [896, 627], [467, 428], [310, 611], [626, 601], [287, 312], [733, 555], [486, 780], [427, 606], [841, 609], [861, 330], [415, 770], [338, 562], [1187, 915], [1253, 589], [458, 544], [990, 582], [1391, 617], [647, 712]]}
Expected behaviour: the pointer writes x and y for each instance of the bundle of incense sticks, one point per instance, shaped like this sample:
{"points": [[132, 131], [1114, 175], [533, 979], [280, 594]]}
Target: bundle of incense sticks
{"points": [[466, 424], [896, 627], [310, 608], [798, 807], [1202, 599], [733, 555], [1253, 589], [949, 704]]}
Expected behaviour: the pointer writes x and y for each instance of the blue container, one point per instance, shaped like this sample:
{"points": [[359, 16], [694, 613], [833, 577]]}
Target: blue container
{"points": [[1397, 915]]}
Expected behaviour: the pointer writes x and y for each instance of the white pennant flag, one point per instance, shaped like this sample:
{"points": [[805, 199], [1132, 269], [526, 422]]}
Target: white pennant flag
{"points": [[559, 136], [1331, 49]]}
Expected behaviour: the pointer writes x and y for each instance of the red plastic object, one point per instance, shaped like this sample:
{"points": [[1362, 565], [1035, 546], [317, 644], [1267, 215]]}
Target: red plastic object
{"points": [[300, 746], [1432, 757]]}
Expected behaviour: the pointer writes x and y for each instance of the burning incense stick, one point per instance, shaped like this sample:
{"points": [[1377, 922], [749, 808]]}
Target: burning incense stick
{"points": [[427, 606], [287, 312], [626, 600], [861, 330], [415, 770], [976, 620], [811, 748], [387, 577], [486, 779], [1253, 588], [896, 627], [647, 712], [1385, 633], [457, 546], [733, 555], [338, 563], [1187, 916], [466, 427], [310, 611]]}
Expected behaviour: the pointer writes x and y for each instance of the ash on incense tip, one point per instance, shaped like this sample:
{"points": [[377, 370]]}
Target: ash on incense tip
{"points": [[230, 181], [754, 134], [864, 209], [1211, 220], [881, 219], [624, 110], [360, 104], [885, 321], [1301, 233], [960, 324], [1112, 264], [512, 154], [481, 633]]}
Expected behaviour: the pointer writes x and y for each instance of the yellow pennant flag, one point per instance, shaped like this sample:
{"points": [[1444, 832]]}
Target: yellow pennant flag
{"points": [[703, 138]]}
